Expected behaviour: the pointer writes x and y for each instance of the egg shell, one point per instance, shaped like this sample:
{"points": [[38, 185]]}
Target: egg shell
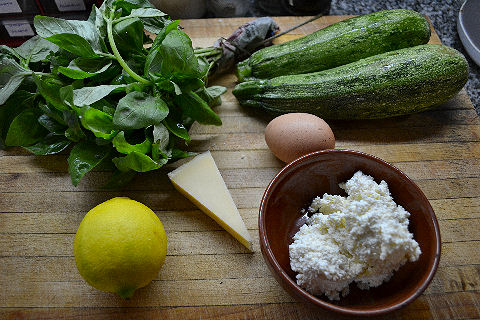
{"points": [[292, 135]]}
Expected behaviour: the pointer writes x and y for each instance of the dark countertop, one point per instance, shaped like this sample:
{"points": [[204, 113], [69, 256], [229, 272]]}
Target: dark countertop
{"points": [[443, 15]]}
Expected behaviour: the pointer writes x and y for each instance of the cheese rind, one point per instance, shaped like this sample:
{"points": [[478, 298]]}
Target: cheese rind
{"points": [[201, 182]]}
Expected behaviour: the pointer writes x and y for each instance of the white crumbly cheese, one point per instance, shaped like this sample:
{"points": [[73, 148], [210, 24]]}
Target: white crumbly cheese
{"points": [[360, 238]]}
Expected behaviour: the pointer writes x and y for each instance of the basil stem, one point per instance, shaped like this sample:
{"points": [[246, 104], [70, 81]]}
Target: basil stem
{"points": [[117, 54]]}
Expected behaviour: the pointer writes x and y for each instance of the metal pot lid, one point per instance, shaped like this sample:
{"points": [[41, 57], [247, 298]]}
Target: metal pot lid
{"points": [[468, 25]]}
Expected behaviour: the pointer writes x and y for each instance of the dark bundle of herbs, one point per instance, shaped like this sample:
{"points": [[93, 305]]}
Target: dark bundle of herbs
{"points": [[97, 88]]}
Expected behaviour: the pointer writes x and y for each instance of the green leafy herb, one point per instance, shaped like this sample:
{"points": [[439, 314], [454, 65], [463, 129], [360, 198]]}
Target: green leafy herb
{"points": [[99, 122], [51, 124], [122, 146], [89, 95], [11, 77], [97, 87], [24, 129], [51, 144], [83, 157], [78, 37], [139, 110], [138, 162], [81, 68], [128, 36], [35, 49], [18, 102], [196, 108]]}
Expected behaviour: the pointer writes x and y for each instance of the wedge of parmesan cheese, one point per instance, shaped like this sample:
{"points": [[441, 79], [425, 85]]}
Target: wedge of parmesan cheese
{"points": [[201, 182]]}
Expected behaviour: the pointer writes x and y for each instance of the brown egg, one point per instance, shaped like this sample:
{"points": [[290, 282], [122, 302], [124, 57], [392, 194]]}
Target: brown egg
{"points": [[292, 135]]}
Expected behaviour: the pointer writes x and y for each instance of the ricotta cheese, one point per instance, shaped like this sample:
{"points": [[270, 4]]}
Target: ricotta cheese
{"points": [[361, 238]]}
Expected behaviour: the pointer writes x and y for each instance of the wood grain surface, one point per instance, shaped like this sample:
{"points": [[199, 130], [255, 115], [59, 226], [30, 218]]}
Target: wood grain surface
{"points": [[207, 274]]}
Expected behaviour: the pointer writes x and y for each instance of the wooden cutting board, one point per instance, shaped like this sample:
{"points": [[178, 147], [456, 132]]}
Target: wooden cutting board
{"points": [[207, 274]]}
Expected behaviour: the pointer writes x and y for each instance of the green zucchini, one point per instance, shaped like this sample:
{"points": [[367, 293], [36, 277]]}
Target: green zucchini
{"points": [[394, 83], [338, 44]]}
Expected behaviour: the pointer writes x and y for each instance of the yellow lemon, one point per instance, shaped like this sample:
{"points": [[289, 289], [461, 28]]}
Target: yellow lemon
{"points": [[120, 246]]}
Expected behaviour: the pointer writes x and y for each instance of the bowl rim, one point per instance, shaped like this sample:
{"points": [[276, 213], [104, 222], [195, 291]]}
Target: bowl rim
{"points": [[268, 253]]}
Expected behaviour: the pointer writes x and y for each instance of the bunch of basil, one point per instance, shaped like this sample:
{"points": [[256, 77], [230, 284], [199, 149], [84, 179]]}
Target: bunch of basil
{"points": [[94, 85]]}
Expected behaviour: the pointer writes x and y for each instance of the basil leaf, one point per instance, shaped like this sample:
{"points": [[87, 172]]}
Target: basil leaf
{"points": [[76, 36], [152, 54], [138, 162], [52, 112], [146, 13], [7, 52], [162, 146], [106, 76], [36, 49], [122, 146], [51, 144], [25, 129], [88, 95], [82, 68], [51, 124], [177, 88], [96, 18], [83, 157], [161, 136], [135, 86], [106, 4], [50, 90], [180, 154], [98, 122], [154, 25], [128, 36], [196, 108], [61, 58], [129, 5], [9, 88], [212, 95], [153, 19], [74, 131], [66, 95], [74, 44], [138, 110], [167, 85], [190, 84], [177, 128], [17, 102], [11, 77], [104, 105], [175, 57]]}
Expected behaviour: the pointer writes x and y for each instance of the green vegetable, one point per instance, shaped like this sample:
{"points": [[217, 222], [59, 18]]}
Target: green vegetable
{"points": [[24, 129], [139, 110], [338, 44], [390, 84], [83, 157], [11, 77], [97, 87], [52, 143]]}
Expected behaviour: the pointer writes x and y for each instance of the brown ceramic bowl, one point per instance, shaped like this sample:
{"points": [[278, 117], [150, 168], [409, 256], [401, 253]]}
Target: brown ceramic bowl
{"points": [[294, 188]]}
